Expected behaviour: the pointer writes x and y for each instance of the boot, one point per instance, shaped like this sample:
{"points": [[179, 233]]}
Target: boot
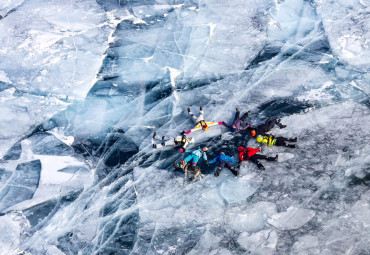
{"points": [[235, 172], [188, 109], [217, 172], [154, 146], [154, 135], [293, 140], [237, 109], [280, 125], [163, 137], [163, 144], [276, 158], [200, 108], [260, 166]]}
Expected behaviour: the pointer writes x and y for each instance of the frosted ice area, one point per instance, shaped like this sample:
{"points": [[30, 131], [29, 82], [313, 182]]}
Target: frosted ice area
{"points": [[84, 84]]}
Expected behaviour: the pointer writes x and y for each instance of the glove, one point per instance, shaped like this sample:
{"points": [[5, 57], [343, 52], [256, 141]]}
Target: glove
{"points": [[221, 122]]}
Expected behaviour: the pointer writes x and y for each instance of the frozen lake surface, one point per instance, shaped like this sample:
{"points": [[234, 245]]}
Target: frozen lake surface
{"points": [[84, 84]]}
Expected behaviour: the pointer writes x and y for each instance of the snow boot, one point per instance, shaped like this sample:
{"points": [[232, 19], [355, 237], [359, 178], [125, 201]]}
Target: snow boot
{"points": [[276, 158], [280, 125], [235, 172], [154, 146], [293, 140], [260, 166]]}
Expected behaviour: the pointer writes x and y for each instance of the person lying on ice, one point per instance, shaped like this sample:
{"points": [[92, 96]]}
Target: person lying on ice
{"points": [[199, 121], [264, 128], [194, 156], [224, 161], [237, 123], [180, 142], [271, 140], [250, 153]]}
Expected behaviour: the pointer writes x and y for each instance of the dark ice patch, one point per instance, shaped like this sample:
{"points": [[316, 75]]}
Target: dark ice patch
{"points": [[283, 107], [39, 214], [73, 169], [267, 53], [14, 153], [355, 181], [4, 175], [123, 201], [184, 238], [21, 185], [366, 102], [119, 235], [3, 85], [193, 84], [118, 152], [47, 144]]}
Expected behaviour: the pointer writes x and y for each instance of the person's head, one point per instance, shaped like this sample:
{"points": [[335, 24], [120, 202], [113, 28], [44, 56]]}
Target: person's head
{"points": [[183, 132], [240, 149], [253, 132], [222, 153], [204, 149], [205, 126], [259, 138], [233, 128]]}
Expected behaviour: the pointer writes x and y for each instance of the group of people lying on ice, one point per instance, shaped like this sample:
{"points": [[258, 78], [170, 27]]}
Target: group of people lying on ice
{"points": [[259, 132]]}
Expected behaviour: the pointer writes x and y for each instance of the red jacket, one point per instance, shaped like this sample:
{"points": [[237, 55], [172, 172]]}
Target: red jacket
{"points": [[249, 151]]}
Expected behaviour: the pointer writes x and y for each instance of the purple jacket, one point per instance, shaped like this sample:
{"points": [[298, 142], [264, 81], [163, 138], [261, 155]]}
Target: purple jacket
{"points": [[237, 124]]}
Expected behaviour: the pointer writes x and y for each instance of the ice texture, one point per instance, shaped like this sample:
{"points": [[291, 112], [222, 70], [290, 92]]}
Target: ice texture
{"points": [[84, 84], [21, 185]]}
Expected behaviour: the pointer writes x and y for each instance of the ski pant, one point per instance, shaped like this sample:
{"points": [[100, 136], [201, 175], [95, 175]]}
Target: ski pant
{"points": [[244, 117], [195, 159], [227, 165], [256, 157], [195, 118], [282, 141], [163, 143], [169, 142], [270, 123]]}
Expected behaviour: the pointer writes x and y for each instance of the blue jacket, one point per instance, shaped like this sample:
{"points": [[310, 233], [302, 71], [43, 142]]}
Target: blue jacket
{"points": [[199, 153], [221, 158]]}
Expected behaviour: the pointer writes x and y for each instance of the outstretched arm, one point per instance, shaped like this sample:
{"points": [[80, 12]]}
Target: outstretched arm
{"points": [[192, 130], [214, 160], [227, 125], [246, 127], [230, 159], [210, 124]]}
